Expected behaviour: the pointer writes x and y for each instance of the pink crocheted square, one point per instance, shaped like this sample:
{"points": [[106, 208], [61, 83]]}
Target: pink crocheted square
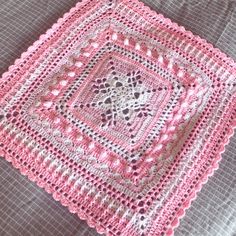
{"points": [[120, 113]]}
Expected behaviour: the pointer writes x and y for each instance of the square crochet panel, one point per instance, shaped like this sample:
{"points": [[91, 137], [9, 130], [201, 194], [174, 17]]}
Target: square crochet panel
{"points": [[119, 113]]}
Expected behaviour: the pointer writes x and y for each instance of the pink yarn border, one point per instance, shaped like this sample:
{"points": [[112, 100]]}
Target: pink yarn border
{"points": [[224, 60]]}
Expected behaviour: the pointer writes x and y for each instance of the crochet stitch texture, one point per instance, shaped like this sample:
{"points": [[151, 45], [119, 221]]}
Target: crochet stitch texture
{"points": [[119, 113]]}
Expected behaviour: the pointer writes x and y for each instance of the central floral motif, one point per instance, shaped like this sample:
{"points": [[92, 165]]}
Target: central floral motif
{"points": [[121, 101], [121, 97]]}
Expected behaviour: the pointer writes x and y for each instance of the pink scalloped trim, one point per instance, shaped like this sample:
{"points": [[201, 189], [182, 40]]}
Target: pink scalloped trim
{"points": [[221, 58]]}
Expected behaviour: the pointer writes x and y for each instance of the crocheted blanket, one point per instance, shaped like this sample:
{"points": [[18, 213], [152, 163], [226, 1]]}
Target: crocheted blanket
{"points": [[120, 114]]}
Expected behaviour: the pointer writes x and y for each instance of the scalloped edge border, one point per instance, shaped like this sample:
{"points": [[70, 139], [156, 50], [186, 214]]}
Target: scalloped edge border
{"points": [[222, 57]]}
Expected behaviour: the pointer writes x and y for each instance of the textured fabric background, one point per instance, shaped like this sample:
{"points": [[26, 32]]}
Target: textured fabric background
{"points": [[27, 210]]}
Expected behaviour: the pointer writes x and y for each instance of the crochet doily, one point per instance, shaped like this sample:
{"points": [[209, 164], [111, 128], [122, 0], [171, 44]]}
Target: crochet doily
{"points": [[119, 113]]}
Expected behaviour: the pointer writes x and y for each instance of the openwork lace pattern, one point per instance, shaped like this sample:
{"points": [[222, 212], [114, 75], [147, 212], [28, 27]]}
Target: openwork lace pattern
{"points": [[120, 114]]}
